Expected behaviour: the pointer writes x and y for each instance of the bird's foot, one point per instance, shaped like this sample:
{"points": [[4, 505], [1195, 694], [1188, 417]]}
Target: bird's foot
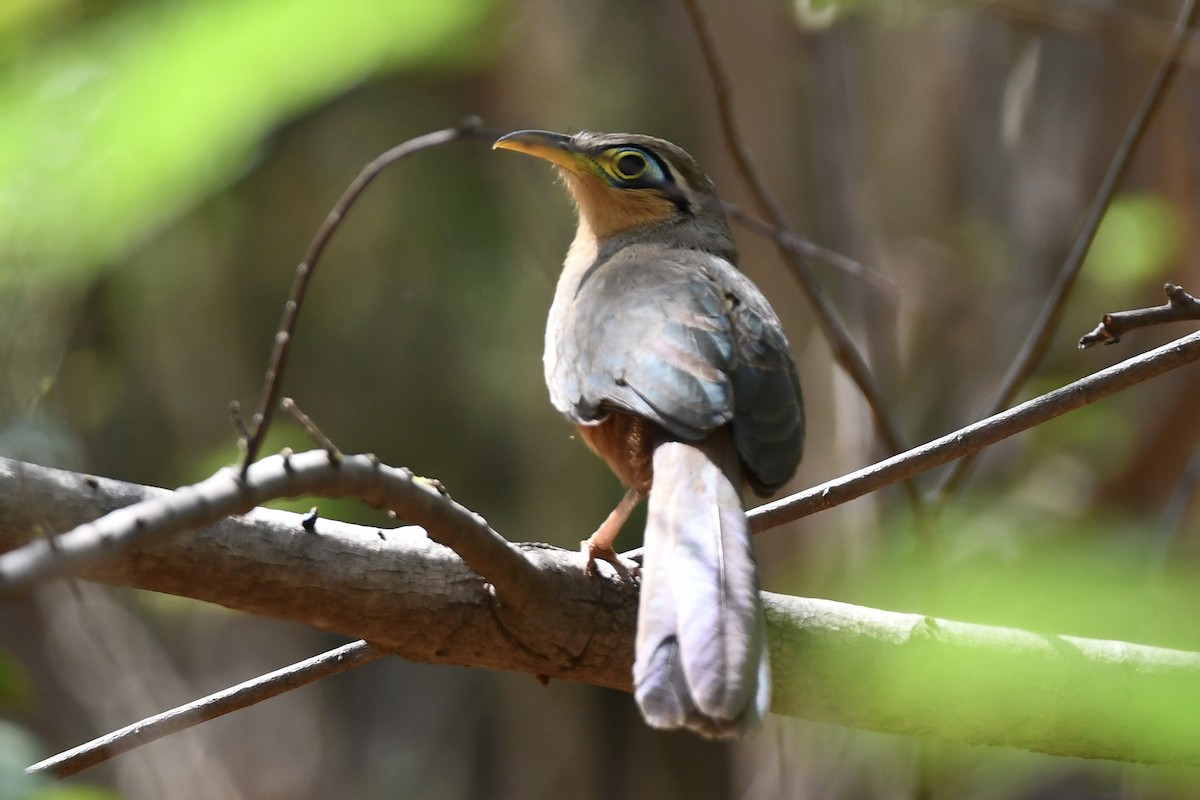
{"points": [[594, 551], [599, 544]]}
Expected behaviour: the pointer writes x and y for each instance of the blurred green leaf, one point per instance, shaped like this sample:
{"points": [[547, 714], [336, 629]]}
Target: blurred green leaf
{"points": [[820, 14], [1140, 237], [18, 749], [1014, 565], [109, 133], [73, 793], [16, 690]]}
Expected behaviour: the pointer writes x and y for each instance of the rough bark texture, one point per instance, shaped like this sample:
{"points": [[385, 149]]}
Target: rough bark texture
{"points": [[862, 667]]}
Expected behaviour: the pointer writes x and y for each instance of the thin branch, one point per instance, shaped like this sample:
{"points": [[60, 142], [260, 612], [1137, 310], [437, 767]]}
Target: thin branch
{"points": [[226, 493], [974, 438], [1180, 307], [310, 428], [833, 662], [840, 342], [806, 248], [215, 705], [1040, 335], [469, 128], [1170, 521]]}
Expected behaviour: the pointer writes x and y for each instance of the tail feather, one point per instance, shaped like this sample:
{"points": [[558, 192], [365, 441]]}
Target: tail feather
{"points": [[701, 644]]}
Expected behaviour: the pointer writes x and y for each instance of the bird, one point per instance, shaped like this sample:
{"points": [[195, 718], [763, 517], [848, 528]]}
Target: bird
{"points": [[676, 372]]}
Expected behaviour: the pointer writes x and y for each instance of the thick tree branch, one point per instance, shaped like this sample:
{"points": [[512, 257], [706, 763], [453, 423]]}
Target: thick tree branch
{"points": [[890, 672], [228, 492], [396, 588]]}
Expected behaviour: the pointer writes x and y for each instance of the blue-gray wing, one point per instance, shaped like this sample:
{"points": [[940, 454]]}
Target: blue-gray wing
{"points": [[685, 340]]}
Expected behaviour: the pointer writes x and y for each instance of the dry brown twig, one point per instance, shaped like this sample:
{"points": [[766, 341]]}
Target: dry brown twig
{"points": [[228, 492], [1180, 307], [264, 687]]}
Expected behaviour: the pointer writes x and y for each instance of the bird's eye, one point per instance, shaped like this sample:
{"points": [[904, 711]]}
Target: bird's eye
{"points": [[630, 165]]}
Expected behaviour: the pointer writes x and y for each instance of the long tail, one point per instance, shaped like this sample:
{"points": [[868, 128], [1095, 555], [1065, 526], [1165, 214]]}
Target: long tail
{"points": [[701, 656]]}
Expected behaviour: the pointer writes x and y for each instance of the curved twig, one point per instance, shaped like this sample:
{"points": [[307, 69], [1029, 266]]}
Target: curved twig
{"points": [[252, 440]]}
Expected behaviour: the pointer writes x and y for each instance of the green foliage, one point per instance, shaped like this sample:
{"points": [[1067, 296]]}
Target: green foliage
{"points": [[114, 130], [16, 690], [1141, 237], [72, 793], [820, 14], [18, 749], [1014, 564]]}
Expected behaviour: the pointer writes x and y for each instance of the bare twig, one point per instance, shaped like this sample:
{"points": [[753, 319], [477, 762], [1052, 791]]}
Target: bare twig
{"points": [[840, 343], [310, 428], [239, 422], [1174, 512], [801, 246], [1042, 332], [1180, 307], [226, 493], [469, 128], [215, 705], [979, 435]]}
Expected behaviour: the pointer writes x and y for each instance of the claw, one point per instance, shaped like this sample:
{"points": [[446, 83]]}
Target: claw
{"points": [[593, 551], [599, 544]]}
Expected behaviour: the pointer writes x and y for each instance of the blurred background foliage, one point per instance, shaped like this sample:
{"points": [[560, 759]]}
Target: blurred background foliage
{"points": [[164, 163]]}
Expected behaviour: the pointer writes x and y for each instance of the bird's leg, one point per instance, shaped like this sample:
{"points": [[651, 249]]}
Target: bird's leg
{"points": [[599, 544]]}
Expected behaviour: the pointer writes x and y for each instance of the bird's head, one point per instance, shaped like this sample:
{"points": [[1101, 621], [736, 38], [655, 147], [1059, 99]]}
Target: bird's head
{"points": [[622, 182]]}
